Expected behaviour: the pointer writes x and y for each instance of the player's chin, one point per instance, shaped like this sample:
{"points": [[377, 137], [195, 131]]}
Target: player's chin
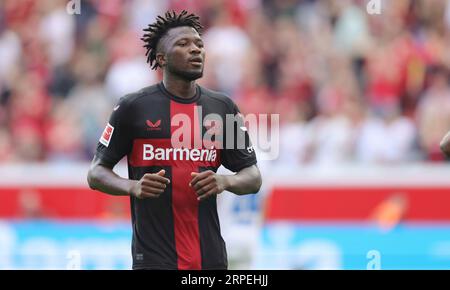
{"points": [[193, 74]]}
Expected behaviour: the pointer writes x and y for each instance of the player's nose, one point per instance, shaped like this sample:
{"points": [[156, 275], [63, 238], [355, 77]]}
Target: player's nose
{"points": [[194, 49]]}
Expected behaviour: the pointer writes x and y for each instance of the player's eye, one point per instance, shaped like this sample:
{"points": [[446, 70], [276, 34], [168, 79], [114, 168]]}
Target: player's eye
{"points": [[183, 43]]}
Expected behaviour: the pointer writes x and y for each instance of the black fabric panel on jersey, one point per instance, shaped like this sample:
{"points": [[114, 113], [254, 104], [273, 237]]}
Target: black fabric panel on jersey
{"points": [[212, 245], [153, 235], [153, 244]]}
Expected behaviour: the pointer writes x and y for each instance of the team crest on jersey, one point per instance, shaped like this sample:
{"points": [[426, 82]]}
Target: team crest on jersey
{"points": [[107, 134]]}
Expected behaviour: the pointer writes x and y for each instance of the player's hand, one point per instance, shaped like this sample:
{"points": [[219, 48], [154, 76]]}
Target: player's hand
{"points": [[151, 185], [207, 183]]}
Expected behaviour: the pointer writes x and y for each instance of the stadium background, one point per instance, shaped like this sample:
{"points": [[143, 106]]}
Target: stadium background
{"points": [[363, 100]]}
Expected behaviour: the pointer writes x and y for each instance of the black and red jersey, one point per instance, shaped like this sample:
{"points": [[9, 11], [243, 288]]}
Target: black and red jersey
{"points": [[174, 231]]}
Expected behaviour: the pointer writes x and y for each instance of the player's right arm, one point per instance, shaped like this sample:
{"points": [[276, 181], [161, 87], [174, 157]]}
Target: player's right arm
{"points": [[101, 177], [445, 144], [115, 143]]}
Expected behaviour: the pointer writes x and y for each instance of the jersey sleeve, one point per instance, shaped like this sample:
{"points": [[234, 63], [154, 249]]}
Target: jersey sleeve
{"points": [[242, 153], [115, 141]]}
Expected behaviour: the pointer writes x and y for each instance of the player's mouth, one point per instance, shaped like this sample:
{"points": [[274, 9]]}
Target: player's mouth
{"points": [[196, 61]]}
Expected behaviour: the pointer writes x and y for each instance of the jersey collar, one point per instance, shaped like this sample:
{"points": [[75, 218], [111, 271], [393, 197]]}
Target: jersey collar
{"points": [[179, 99]]}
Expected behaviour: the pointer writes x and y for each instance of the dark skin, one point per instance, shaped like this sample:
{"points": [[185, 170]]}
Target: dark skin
{"points": [[181, 56], [445, 144]]}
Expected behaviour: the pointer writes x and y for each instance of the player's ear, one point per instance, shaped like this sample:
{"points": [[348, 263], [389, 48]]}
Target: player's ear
{"points": [[161, 59]]}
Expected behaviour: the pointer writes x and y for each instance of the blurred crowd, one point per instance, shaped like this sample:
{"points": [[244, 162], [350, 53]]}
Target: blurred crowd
{"points": [[350, 87]]}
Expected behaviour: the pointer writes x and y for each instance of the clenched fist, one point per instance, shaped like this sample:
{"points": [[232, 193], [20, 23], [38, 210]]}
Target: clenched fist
{"points": [[151, 185], [208, 183]]}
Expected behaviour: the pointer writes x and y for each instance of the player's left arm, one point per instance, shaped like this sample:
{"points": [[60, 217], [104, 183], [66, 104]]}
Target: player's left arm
{"points": [[246, 181], [445, 144]]}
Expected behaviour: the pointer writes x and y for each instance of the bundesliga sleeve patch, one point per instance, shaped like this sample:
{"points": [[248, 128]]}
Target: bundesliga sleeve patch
{"points": [[106, 135]]}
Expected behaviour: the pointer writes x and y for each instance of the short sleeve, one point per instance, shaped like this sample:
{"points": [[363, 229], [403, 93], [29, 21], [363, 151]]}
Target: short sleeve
{"points": [[115, 141], [242, 153]]}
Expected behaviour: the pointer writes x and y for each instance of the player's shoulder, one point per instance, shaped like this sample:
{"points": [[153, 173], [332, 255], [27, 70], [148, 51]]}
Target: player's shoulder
{"points": [[137, 95], [218, 97]]}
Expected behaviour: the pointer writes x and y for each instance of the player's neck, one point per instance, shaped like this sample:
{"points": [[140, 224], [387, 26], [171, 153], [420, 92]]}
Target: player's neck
{"points": [[180, 88]]}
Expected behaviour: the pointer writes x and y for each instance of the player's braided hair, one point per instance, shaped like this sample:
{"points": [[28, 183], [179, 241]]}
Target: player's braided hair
{"points": [[155, 31]]}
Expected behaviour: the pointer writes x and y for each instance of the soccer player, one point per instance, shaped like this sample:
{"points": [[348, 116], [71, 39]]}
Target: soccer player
{"points": [[173, 188]]}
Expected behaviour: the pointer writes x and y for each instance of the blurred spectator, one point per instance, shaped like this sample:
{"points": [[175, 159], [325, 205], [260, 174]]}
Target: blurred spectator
{"points": [[7, 151], [57, 31], [10, 52], [64, 134], [388, 138], [89, 100], [129, 71], [294, 139], [143, 10], [433, 116], [227, 46], [351, 35], [332, 130]]}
